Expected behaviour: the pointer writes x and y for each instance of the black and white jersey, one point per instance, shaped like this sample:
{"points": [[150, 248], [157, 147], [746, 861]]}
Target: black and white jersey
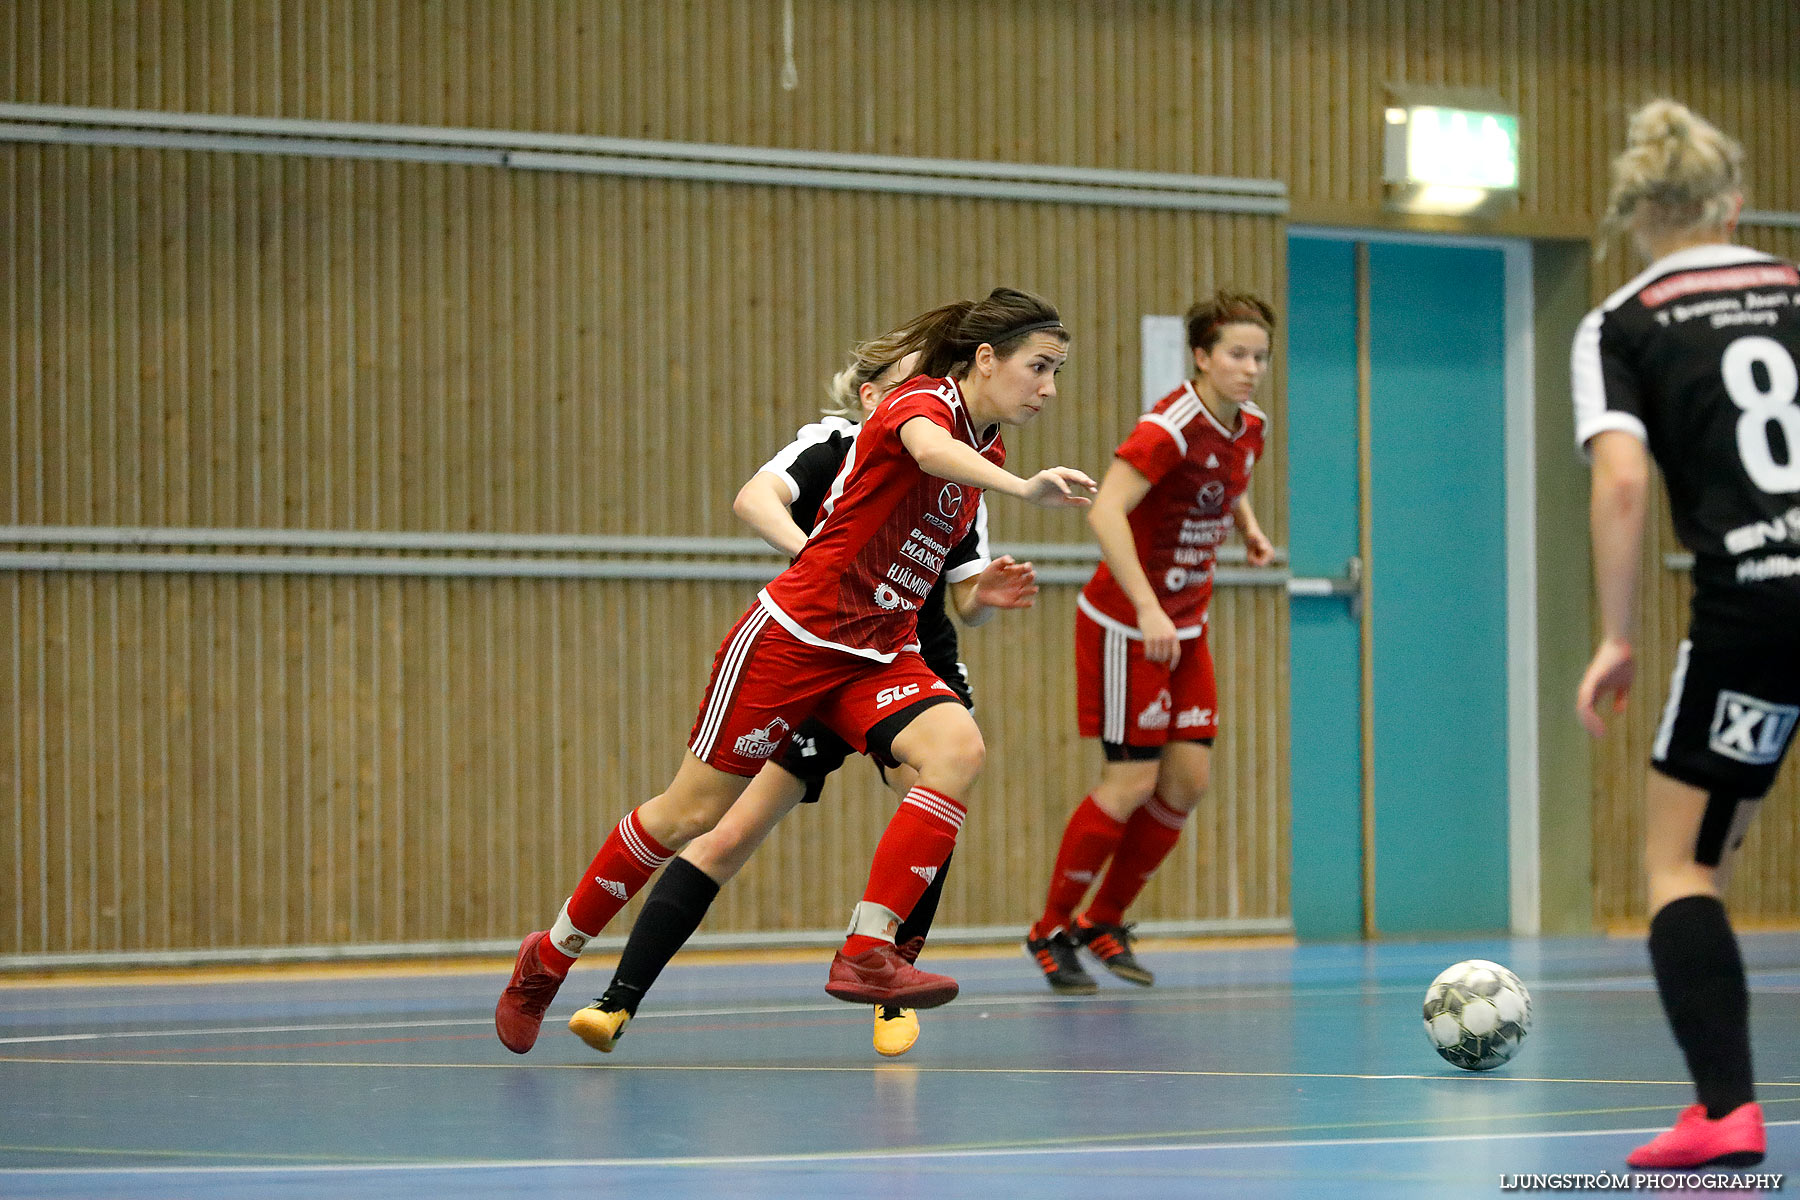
{"points": [[1697, 357], [810, 464]]}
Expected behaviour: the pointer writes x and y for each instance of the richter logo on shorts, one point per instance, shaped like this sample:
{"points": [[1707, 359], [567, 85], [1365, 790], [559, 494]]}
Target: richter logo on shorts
{"points": [[761, 743], [1156, 716], [1750, 730]]}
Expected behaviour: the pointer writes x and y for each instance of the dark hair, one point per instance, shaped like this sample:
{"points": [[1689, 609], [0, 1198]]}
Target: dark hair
{"points": [[947, 338], [1207, 319]]}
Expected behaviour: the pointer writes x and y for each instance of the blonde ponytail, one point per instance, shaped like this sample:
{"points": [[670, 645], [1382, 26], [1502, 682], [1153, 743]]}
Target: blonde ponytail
{"points": [[1677, 172], [867, 361]]}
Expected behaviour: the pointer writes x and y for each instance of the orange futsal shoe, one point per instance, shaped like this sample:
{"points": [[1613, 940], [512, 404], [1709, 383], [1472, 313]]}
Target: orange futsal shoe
{"points": [[881, 976], [1734, 1140], [520, 1012]]}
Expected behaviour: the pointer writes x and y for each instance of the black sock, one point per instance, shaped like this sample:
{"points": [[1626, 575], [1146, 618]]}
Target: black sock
{"points": [[671, 913], [918, 924], [1700, 978]]}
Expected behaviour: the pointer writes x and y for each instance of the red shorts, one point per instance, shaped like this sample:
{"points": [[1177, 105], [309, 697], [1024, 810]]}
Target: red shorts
{"points": [[765, 682], [1126, 700]]}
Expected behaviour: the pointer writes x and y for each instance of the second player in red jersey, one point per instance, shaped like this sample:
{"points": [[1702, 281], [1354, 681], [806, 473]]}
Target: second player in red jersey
{"points": [[1144, 672]]}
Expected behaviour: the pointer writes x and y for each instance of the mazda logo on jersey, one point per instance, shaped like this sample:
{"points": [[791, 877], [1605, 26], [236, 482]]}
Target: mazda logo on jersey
{"points": [[1211, 497], [1750, 730], [950, 500]]}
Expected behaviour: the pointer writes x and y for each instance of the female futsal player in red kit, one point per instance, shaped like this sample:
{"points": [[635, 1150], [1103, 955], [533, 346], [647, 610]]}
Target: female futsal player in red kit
{"points": [[1144, 671], [835, 637]]}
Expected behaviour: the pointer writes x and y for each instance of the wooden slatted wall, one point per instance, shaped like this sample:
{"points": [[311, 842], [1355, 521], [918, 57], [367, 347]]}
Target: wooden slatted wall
{"points": [[217, 340]]}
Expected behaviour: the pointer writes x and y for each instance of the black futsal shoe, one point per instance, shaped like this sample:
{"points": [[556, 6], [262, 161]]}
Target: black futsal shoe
{"points": [[1056, 957], [1111, 944]]}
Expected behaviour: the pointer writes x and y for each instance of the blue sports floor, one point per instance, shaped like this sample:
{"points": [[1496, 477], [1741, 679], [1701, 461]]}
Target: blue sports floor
{"points": [[1245, 1072]]}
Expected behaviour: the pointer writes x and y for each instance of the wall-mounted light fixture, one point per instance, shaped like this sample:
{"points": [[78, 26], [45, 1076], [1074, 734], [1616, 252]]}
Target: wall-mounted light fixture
{"points": [[1450, 151]]}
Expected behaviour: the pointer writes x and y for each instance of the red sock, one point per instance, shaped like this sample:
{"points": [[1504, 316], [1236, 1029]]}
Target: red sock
{"points": [[624, 864], [1088, 841], [919, 837], [1149, 836]]}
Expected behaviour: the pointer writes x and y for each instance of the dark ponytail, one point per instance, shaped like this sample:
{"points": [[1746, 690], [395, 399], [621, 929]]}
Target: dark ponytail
{"points": [[947, 338]]}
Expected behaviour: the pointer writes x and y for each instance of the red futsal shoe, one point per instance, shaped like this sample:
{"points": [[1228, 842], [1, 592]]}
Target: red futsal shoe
{"points": [[882, 976], [521, 1009], [1734, 1140]]}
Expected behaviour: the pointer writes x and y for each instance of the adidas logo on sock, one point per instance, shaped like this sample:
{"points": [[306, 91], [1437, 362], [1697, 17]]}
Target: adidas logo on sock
{"points": [[926, 873], [612, 885]]}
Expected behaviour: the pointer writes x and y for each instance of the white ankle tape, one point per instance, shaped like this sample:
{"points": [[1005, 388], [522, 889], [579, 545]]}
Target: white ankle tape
{"points": [[565, 937], [869, 919]]}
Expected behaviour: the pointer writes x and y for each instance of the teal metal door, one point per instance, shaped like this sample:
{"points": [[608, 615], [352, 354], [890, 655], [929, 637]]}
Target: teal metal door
{"points": [[1429, 746]]}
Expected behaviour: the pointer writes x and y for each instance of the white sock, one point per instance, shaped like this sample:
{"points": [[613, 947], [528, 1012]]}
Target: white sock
{"points": [[565, 937], [869, 919]]}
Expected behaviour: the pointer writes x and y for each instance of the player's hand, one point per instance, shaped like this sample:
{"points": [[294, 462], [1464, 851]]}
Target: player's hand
{"points": [[1006, 584], [1613, 668], [1059, 487], [1258, 548], [1161, 645]]}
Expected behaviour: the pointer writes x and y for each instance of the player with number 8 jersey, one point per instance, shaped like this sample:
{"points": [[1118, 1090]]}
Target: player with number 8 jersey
{"points": [[1693, 364]]}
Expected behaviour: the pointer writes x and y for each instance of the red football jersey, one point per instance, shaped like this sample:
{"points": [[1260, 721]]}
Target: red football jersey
{"points": [[1197, 470], [884, 531]]}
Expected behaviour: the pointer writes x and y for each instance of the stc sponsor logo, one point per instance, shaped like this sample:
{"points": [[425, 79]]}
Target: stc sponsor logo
{"points": [[893, 695], [762, 743], [1156, 715], [1750, 730], [1193, 718]]}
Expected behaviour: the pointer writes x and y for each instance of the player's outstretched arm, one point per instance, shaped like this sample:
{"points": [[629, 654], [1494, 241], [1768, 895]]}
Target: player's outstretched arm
{"points": [[1004, 583], [940, 455], [1257, 546], [1616, 507], [1123, 489], [762, 504]]}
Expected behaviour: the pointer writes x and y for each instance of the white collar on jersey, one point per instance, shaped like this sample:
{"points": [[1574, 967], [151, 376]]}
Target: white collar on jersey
{"points": [[1230, 435], [1713, 254]]}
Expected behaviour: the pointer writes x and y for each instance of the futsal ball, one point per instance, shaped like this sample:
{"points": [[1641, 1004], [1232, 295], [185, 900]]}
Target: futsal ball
{"points": [[1476, 1014]]}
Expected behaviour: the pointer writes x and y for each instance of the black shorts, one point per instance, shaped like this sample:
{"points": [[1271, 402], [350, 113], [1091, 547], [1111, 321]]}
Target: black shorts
{"points": [[814, 751], [1733, 701]]}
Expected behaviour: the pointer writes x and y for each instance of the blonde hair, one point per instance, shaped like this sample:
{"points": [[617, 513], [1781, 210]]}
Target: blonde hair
{"points": [[1677, 172], [867, 361]]}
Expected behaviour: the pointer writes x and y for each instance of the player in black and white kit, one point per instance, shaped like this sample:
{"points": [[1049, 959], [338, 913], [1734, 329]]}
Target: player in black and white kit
{"points": [[781, 502], [1693, 363]]}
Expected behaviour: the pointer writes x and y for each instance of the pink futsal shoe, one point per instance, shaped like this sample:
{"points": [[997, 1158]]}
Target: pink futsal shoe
{"points": [[520, 1012], [1734, 1140], [882, 976]]}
